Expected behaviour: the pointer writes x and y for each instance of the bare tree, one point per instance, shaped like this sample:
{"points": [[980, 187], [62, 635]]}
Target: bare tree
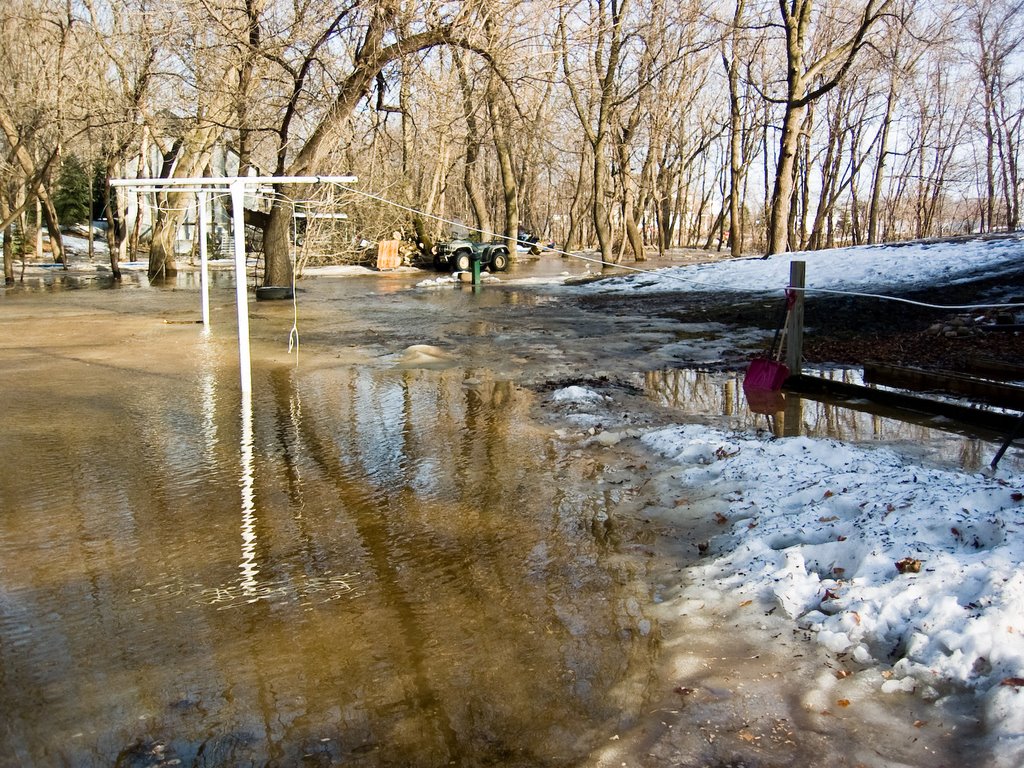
{"points": [[811, 72], [387, 34], [997, 35], [595, 99], [731, 45], [43, 65], [472, 161]]}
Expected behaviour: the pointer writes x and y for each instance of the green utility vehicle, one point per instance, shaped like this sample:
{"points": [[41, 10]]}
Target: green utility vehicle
{"points": [[458, 255]]}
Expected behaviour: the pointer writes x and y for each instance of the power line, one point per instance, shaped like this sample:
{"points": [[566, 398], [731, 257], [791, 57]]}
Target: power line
{"points": [[662, 275]]}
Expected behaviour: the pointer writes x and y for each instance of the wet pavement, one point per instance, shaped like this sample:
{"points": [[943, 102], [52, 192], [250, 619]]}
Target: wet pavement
{"points": [[402, 554]]}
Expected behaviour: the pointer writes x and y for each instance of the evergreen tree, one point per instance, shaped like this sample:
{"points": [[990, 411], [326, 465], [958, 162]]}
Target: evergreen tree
{"points": [[99, 190], [74, 192]]}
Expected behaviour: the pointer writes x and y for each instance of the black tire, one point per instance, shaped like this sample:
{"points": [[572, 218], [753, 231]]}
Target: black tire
{"points": [[500, 262], [273, 292], [462, 261]]}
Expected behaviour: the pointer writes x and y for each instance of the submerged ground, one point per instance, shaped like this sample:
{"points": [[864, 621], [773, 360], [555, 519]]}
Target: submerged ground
{"points": [[414, 550]]}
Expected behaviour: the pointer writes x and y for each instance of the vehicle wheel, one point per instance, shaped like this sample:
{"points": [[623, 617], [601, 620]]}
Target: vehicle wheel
{"points": [[462, 261], [500, 262]]}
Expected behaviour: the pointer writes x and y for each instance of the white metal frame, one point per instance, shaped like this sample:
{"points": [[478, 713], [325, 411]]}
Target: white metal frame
{"points": [[202, 186]]}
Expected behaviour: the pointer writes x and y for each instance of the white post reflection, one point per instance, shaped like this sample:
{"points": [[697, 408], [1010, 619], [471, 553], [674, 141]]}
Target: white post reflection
{"points": [[208, 395], [248, 566], [204, 271]]}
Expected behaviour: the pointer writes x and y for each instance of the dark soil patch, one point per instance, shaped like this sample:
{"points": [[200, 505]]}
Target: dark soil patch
{"points": [[852, 330], [849, 330]]}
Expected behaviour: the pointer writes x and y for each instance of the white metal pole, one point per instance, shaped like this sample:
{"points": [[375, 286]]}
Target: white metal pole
{"points": [[204, 266], [236, 185], [241, 289], [211, 181], [249, 566]]}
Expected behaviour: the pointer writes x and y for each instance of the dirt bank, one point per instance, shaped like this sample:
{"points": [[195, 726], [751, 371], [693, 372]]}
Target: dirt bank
{"points": [[849, 330]]}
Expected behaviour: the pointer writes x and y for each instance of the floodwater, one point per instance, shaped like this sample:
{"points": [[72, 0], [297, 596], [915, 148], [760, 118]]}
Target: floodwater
{"points": [[384, 558]]}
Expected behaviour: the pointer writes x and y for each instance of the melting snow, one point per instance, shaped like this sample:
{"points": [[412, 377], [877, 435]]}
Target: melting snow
{"points": [[912, 570]]}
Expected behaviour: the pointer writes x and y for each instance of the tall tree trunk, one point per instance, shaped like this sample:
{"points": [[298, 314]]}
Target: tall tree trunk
{"points": [[9, 217], [471, 175], [829, 180], [607, 73], [736, 173], [277, 238], [644, 197], [602, 192], [571, 241], [1008, 161], [53, 228], [855, 215], [425, 228], [990, 148], [116, 225], [785, 174], [874, 212], [680, 209], [665, 205], [8, 248], [509, 189], [736, 164], [636, 240], [243, 99], [628, 206], [39, 230]]}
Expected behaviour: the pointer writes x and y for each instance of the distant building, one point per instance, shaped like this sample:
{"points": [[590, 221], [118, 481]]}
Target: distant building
{"points": [[142, 207]]}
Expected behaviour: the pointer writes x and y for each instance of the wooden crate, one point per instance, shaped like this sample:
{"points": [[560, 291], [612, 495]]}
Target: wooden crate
{"points": [[387, 254]]}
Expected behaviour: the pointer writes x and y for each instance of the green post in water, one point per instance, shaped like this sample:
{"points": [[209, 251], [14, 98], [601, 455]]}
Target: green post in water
{"points": [[476, 270]]}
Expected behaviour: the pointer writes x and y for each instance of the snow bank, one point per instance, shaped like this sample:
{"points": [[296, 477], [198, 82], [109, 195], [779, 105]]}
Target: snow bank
{"points": [[857, 268], [913, 569]]}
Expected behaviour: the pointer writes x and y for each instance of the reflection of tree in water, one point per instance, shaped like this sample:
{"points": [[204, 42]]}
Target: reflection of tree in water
{"points": [[716, 394], [489, 627], [694, 391]]}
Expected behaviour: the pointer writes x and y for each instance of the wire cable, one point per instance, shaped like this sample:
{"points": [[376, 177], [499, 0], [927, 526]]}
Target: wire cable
{"points": [[660, 274], [663, 275]]}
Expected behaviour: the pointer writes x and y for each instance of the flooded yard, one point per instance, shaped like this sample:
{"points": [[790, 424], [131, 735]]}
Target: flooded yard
{"points": [[398, 555]]}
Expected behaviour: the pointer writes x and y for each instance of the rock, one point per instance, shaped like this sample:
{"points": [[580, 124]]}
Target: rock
{"points": [[425, 356], [608, 439]]}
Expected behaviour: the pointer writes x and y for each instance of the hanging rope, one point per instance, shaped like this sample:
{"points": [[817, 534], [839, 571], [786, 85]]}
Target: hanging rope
{"points": [[293, 335]]}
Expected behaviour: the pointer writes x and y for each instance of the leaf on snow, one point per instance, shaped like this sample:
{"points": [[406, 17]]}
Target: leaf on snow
{"points": [[909, 565]]}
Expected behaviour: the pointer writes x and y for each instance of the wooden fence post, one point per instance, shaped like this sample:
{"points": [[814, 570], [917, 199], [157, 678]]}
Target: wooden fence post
{"points": [[795, 330]]}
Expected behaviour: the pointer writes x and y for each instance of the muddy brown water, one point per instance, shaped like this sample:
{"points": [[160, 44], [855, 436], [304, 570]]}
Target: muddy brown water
{"points": [[389, 560]]}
